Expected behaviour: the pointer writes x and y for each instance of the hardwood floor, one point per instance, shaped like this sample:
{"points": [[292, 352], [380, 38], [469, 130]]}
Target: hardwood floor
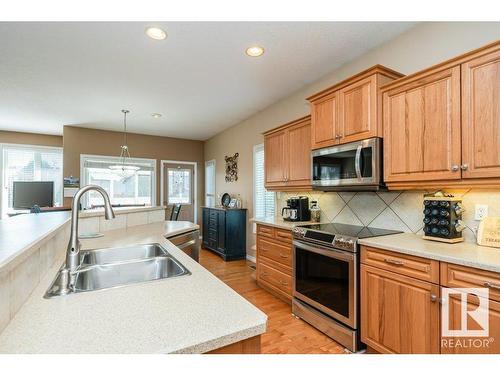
{"points": [[285, 334]]}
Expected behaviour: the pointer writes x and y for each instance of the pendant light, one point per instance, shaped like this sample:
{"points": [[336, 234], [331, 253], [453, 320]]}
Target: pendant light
{"points": [[124, 168]]}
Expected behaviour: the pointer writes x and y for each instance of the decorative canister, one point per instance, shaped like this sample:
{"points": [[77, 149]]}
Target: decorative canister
{"points": [[315, 212]]}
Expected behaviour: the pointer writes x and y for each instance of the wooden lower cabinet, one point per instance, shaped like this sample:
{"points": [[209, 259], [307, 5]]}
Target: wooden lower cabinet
{"points": [[399, 314], [401, 309], [472, 345], [248, 346], [274, 261]]}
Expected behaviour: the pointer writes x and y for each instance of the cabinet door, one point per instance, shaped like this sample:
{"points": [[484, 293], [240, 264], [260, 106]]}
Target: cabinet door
{"points": [[481, 117], [299, 154], [221, 231], [274, 154], [422, 129], [472, 345], [399, 314], [324, 121], [358, 110]]}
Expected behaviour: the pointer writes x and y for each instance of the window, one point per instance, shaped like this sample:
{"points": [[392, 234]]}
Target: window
{"points": [[210, 183], [137, 189], [263, 200], [179, 186], [30, 163]]}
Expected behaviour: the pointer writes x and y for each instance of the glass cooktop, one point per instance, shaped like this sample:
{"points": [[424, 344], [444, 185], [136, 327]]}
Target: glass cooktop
{"points": [[350, 230]]}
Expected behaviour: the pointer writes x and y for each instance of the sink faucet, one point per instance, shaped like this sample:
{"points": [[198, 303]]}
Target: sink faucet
{"points": [[73, 252]]}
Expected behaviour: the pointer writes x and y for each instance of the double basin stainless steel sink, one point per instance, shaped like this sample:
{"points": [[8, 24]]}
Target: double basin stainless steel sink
{"points": [[109, 268]]}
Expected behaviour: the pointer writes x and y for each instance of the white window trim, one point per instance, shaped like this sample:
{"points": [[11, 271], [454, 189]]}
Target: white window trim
{"points": [[215, 179], [22, 145], [83, 181], [162, 181]]}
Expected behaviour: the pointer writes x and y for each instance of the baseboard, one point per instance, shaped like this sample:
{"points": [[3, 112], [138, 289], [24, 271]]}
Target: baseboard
{"points": [[251, 258]]}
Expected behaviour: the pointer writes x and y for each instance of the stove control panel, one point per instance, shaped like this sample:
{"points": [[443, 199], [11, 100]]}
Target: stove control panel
{"points": [[345, 242]]}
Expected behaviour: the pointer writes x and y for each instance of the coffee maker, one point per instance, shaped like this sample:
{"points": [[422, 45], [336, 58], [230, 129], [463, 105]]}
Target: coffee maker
{"points": [[297, 209]]}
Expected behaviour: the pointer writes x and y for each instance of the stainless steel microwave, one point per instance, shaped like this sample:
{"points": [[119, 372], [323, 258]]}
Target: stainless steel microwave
{"points": [[355, 166]]}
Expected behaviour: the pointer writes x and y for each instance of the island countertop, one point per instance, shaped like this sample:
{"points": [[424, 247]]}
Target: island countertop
{"points": [[187, 314]]}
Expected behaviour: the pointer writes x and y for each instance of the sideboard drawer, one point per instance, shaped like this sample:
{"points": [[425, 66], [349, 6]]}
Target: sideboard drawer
{"points": [[455, 276], [276, 278], [283, 235], [279, 253], [419, 268], [265, 231]]}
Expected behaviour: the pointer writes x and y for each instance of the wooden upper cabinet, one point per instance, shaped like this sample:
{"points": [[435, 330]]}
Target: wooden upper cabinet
{"points": [[299, 154], [351, 110], [287, 155], [422, 128], [274, 158], [324, 116], [358, 110], [481, 116], [399, 314]]}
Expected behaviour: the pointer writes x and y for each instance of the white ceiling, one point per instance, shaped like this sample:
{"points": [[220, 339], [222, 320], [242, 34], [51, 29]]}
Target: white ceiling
{"points": [[199, 78]]}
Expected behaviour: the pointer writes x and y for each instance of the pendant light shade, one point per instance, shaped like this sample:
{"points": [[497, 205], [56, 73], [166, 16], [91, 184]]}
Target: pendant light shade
{"points": [[124, 168]]}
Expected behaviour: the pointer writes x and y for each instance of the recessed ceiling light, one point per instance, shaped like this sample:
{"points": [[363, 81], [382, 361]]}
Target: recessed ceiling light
{"points": [[156, 115], [156, 33], [254, 51]]}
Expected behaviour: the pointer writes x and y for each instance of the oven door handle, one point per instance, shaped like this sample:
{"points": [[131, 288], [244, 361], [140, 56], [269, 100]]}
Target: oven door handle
{"points": [[331, 253], [357, 162]]}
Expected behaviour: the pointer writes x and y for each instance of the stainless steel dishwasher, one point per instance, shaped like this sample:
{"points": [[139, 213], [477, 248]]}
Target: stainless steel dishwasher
{"points": [[189, 242]]}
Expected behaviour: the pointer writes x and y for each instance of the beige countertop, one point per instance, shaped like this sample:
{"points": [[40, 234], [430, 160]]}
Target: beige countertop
{"points": [[462, 253], [278, 222], [19, 233], [187, 314], [173, 228]]}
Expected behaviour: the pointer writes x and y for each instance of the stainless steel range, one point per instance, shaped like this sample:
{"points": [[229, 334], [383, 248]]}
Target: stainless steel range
{"points": [[326, 282]]}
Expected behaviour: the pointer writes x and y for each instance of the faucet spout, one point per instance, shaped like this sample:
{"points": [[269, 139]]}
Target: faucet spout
{"points": [[73, 251]]}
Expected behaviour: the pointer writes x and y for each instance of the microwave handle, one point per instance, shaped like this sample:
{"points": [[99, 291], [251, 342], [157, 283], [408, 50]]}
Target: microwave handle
{"points": [[357, 162]]}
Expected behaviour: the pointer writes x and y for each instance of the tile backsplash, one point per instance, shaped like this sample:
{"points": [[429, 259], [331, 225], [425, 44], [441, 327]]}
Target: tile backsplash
{"points": [[400, 210]]}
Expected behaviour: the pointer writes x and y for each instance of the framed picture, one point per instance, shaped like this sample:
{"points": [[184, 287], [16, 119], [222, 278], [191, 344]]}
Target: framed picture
{"points": [[232, 203]]}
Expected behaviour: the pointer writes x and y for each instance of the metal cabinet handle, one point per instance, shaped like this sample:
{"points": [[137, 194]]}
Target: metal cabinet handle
{"points": [[394, 261], [283, 256], [284, 283], [455, 168], [264, 274], [489, 284], [434, 298], [464, 167]]}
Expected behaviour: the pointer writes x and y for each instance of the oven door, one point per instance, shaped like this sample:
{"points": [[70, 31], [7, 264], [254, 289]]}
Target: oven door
{"points": [[326, 279], [356, 163]]}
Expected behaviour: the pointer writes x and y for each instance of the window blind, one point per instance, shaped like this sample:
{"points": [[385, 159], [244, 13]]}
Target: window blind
{"points": [[264, 201], [30, 163]]}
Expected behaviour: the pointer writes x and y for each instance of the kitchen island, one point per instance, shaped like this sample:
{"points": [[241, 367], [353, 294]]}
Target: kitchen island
{"points": [[196, 313]]}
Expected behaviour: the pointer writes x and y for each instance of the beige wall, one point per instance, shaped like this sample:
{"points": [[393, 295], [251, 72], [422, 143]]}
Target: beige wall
{"points": [[31, 139], [100, 142], [422, 46]]}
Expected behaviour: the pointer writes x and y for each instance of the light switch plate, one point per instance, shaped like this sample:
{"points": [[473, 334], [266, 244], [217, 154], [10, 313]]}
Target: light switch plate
{"points": [[480, 211]]}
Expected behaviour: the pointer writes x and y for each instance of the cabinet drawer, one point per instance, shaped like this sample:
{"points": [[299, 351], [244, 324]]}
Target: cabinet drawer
{"points": [[455, 276], [265, 231], [276, 278], [283, 235], [419, 268], [279, 253]]}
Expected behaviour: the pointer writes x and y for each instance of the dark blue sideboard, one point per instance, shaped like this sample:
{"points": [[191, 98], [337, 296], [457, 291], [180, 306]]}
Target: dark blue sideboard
{"points": [[225, 231]]}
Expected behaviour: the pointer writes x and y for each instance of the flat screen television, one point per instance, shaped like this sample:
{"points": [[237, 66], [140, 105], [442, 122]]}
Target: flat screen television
{"points": [[26, 194]]}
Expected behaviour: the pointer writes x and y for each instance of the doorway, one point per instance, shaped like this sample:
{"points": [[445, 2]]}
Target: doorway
{"points": [[178, 186]]}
